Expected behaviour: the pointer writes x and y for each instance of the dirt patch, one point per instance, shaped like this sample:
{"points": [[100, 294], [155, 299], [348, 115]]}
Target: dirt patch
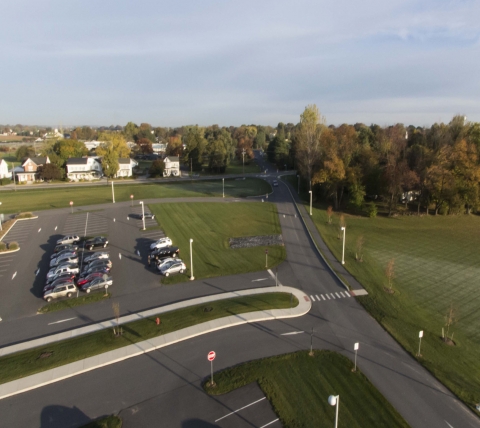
{"points": [[448, 341], [45, 355], [388, 290], [255, 241]]}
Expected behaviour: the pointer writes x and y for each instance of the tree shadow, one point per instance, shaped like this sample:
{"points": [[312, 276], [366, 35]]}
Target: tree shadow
{"points": [[57, 416]]}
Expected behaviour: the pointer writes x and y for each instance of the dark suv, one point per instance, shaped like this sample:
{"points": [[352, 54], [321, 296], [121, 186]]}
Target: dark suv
{"points": [[96, 242], [160, 253]]}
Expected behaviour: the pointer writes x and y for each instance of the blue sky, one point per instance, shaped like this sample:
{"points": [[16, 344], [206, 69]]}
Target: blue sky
{"points": [[172, 63]]}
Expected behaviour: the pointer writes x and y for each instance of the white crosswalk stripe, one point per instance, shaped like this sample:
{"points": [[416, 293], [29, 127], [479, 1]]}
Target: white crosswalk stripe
{"points": [[330, 296]]}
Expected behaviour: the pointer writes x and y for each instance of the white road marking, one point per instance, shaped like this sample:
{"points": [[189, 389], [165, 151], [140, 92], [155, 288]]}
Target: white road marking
{"points": [[292, 332], [338, 295], [55, 227], [114, 220], [323, 297], [58, 322], [270, 423], [348, 293], [328, 296], [128, 218], [120, 256], [318, 298], [244, 407], [39, 230], [448, 424], [14, 275], [261, 279], [312, 298], [333, 297]]}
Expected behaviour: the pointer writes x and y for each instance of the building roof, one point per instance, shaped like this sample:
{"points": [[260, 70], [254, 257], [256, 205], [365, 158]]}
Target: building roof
{"points": [[77, 161], [124, 161], [172, 158], [37, 160]]}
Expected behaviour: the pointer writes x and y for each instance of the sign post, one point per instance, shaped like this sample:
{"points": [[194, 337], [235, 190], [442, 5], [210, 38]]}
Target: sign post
{"points": [[211, 356], [420, 335], [355, 348], [266, 258], [131, 199], [71, 204]]}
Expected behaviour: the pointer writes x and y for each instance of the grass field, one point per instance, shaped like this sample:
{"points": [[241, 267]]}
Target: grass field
{"points": [[42, 199], [437, 266], [29, 362], [298, 386], [210, 225]]}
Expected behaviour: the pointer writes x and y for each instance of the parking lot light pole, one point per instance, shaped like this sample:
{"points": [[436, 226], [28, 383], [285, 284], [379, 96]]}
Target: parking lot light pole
{"points": [[310, 201], [334, 400], [143, 214], [243, 157], [131, 198], [191, 261], [113, 193], [343, 249], [223, 186]]}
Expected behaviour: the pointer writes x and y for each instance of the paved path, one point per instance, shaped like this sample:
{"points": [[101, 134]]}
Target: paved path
{"points": [[76, 368]]}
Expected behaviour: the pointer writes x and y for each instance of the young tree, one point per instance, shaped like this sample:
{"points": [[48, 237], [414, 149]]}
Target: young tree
{"points": [[359, 249], [329, 214], [157, 168], [390, 273], [110, 164], [115, 142]]}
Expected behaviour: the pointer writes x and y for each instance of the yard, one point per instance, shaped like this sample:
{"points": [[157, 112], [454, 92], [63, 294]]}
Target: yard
{"points": [[28, 199], [298, 386], [436, 278], [210, 225]]}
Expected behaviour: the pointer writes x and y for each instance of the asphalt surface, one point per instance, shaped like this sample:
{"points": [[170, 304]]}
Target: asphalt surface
{"points": [[163, 388]]}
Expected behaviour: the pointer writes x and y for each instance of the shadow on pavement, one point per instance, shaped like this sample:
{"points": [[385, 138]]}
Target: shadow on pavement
{"points": [[57, 416], [198, 423]]}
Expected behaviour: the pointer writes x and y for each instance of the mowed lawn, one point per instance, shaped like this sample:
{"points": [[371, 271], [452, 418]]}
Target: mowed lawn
{"points": [[298, 386], [210, 225], [32, 199], [437, 266]]}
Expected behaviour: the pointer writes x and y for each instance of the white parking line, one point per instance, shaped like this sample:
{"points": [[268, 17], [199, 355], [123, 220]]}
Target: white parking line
{"points": [[270, 423], [318, 298], [313, 298], [338, 295], [329, 298], [323, 297], [333, 297], [261, 279], [58, 322], [244, 407], [292, 332]]}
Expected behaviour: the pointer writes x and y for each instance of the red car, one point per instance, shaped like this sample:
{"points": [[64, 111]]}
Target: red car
{"points": [[83, 281]]}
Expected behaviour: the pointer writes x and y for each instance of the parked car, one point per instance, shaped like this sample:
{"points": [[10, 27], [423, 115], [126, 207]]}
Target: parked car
{"points": [[64, 247], [95, 256], [62, 269], [70, 239], [98, 241], [82, 281], [60, 276], [61, 253], [60, 291], [97, 283], [163, 242], [173, 267], [60, 281], [65, 258], [100, 262], [161, 253], [275, 183], [164, 260], [94, 269], [147, 215]]}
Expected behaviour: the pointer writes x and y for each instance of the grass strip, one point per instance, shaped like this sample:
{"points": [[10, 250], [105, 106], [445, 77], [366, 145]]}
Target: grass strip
{"points": [[298, 386], [106, 422], [29, 199], [83, 299], [47, 357]]}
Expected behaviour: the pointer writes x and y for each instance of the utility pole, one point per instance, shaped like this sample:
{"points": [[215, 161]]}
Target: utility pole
{"points": [[243, 157]]}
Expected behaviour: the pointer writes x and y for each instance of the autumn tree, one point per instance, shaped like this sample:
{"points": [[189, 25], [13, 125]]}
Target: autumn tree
{"points": [[115, 142], [24, 152], [157, 168], [144, 146], [196, 145]]}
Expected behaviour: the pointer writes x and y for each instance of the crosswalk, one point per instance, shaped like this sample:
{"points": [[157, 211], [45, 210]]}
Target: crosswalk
{"points": [[329, 296]]}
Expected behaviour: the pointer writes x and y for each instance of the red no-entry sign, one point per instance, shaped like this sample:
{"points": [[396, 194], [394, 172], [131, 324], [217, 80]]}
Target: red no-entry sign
{"points": [[266, 251], [211, 355], [71, 202]]}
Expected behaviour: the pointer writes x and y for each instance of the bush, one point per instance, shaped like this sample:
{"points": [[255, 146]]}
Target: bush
{"points": [[3, 246], [372, 210], [13, 246], [5, 181], [24, 215]]}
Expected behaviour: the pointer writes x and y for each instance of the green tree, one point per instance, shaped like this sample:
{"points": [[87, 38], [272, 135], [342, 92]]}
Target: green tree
{"points": [[110, 164], [24, 152], [66, 149], [50, 171], [130, 131], [196, 145], [260, 139], [115, 142], [157, 168]]}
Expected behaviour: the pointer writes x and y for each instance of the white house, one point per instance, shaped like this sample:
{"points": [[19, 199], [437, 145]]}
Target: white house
{"points": [[159, 148], [53, 134], [87, 168], [4, 173], [126, 167], [172, 166]]}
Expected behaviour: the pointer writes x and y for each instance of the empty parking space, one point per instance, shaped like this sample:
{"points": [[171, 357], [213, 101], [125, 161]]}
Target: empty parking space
{"points": [[78, 224], [21, 231], [5, 261]]}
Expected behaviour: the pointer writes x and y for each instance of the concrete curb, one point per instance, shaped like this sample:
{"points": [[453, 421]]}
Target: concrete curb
{"points": [[9, 251], [73, 369]]}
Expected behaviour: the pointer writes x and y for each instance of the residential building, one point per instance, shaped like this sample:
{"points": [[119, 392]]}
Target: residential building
{"points": [[126, 167], [4, 173], [53, 134], [159, 148], [29, 169], [172, 166], [87, 168]]}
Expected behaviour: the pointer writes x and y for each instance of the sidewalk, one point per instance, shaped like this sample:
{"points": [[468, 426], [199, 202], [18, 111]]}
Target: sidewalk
{"points": [[69, 370]]}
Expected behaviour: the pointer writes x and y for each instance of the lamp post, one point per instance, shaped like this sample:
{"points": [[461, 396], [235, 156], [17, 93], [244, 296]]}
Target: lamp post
{"points": [[334, 400], [131, 199], [420, 335], [223, 186], [310, 201], [343, 249], [243, 157], [71, 204], [143, 214], [113, 193], [191, 261], [298, 181], [13, 175], [1, 220]]}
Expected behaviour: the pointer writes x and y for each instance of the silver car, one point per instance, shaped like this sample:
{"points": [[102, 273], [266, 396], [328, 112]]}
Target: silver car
{"points": [[62, 269], [70, 239], [62, 290], [66, 258], [95, 256], [163, 262], [174, 267]]}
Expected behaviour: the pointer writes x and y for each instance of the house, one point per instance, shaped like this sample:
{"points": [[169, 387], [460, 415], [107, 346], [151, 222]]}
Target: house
{"points": [[87, 168], [159, 148], [126, 167], [4, 173], [172, 166], [29, 169], [53, 134]]}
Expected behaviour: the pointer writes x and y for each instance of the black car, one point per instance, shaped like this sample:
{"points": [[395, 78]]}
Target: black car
{"points": [[67, 247], [96, 242], [160, 253], [95, 269], [95, 263], [60, 253], [147, 215], [62, 276]]}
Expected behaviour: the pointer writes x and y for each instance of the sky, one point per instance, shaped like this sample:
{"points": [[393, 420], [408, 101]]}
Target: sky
{"points": [[181, 62]]}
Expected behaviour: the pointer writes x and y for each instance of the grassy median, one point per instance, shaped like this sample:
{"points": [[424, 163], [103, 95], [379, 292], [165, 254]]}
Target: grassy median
{"points": [[31, 199], [210, 225], [48, 357], [298, 386], [436, 271]]}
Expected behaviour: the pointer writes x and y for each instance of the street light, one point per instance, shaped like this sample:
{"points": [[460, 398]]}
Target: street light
{"points": [[131, 198], [143, 215], [1, 229], [113, 193], [343, 250], [243, 157], [298, 181], [191, 261], [310, 201], [334, 400], [223, 185]]}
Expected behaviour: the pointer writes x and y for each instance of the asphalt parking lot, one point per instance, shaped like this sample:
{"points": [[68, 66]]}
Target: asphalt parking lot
{"points": [[22, 274]]}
